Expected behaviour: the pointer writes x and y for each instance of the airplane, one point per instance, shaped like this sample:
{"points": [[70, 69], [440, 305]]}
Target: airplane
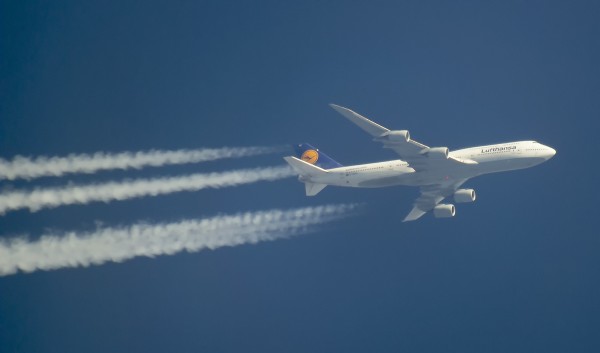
{"points": [[437, 171]]}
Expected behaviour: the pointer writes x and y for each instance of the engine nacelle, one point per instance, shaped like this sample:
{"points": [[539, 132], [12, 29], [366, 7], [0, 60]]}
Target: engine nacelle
{"points": [[436, 152], [396, 136], [465, 195], [444, 211]]}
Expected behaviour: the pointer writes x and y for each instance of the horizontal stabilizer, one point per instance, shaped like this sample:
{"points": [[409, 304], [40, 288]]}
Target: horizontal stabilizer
{"points": [[313, 188], [303, 168], [307, 171]]}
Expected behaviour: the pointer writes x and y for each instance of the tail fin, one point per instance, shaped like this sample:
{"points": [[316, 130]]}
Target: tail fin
{"points": [[307, 171], [312, 155]]}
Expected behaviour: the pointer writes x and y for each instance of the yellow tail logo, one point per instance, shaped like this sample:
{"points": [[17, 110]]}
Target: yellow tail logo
{"points": [[310, 156]]}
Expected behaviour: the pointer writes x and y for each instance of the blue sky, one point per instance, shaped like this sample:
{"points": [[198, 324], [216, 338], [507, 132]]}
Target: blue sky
{"points": [[516, 271]]}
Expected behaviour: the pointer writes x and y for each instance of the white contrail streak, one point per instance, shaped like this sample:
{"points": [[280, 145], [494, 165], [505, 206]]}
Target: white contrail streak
{"points": [[53, 251], [29, 168], [81, 194]]}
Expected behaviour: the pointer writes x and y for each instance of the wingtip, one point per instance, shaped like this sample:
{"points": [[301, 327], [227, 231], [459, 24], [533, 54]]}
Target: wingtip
{"points": [[336, 107], [342, 110]]}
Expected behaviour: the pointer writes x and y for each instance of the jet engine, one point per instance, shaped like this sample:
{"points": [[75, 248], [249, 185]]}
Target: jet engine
{"points": [[444, 211], [396, 136], [464, 195], [436, 152]]}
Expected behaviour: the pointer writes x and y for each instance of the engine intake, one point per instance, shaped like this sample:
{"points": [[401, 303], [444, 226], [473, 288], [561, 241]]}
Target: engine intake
{"points": [[465, 195], [444, 211], [396, 136], [436, 152]]}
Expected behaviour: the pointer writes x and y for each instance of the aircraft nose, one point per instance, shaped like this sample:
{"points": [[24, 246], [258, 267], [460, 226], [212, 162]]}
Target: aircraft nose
{"points": [[550, 152]]}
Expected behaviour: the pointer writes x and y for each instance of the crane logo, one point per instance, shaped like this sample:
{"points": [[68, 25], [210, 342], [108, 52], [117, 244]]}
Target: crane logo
{"points": [[310, 156]]}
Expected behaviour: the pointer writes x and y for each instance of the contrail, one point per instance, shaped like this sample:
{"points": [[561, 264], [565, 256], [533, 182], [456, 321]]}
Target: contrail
{"points": [[81, 194], [29, 168], [53, 251]]}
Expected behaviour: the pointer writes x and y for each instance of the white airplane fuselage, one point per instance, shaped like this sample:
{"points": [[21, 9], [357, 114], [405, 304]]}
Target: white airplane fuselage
{"points": [[488, 159], [438, 172]]}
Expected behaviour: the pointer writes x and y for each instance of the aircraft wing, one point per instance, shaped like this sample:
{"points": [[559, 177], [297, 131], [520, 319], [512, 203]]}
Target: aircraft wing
{"points": [[418, 155], [431, 195]]}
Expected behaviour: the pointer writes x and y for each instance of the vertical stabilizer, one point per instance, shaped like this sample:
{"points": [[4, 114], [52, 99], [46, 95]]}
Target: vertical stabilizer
{"points": [[312, 155]]}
